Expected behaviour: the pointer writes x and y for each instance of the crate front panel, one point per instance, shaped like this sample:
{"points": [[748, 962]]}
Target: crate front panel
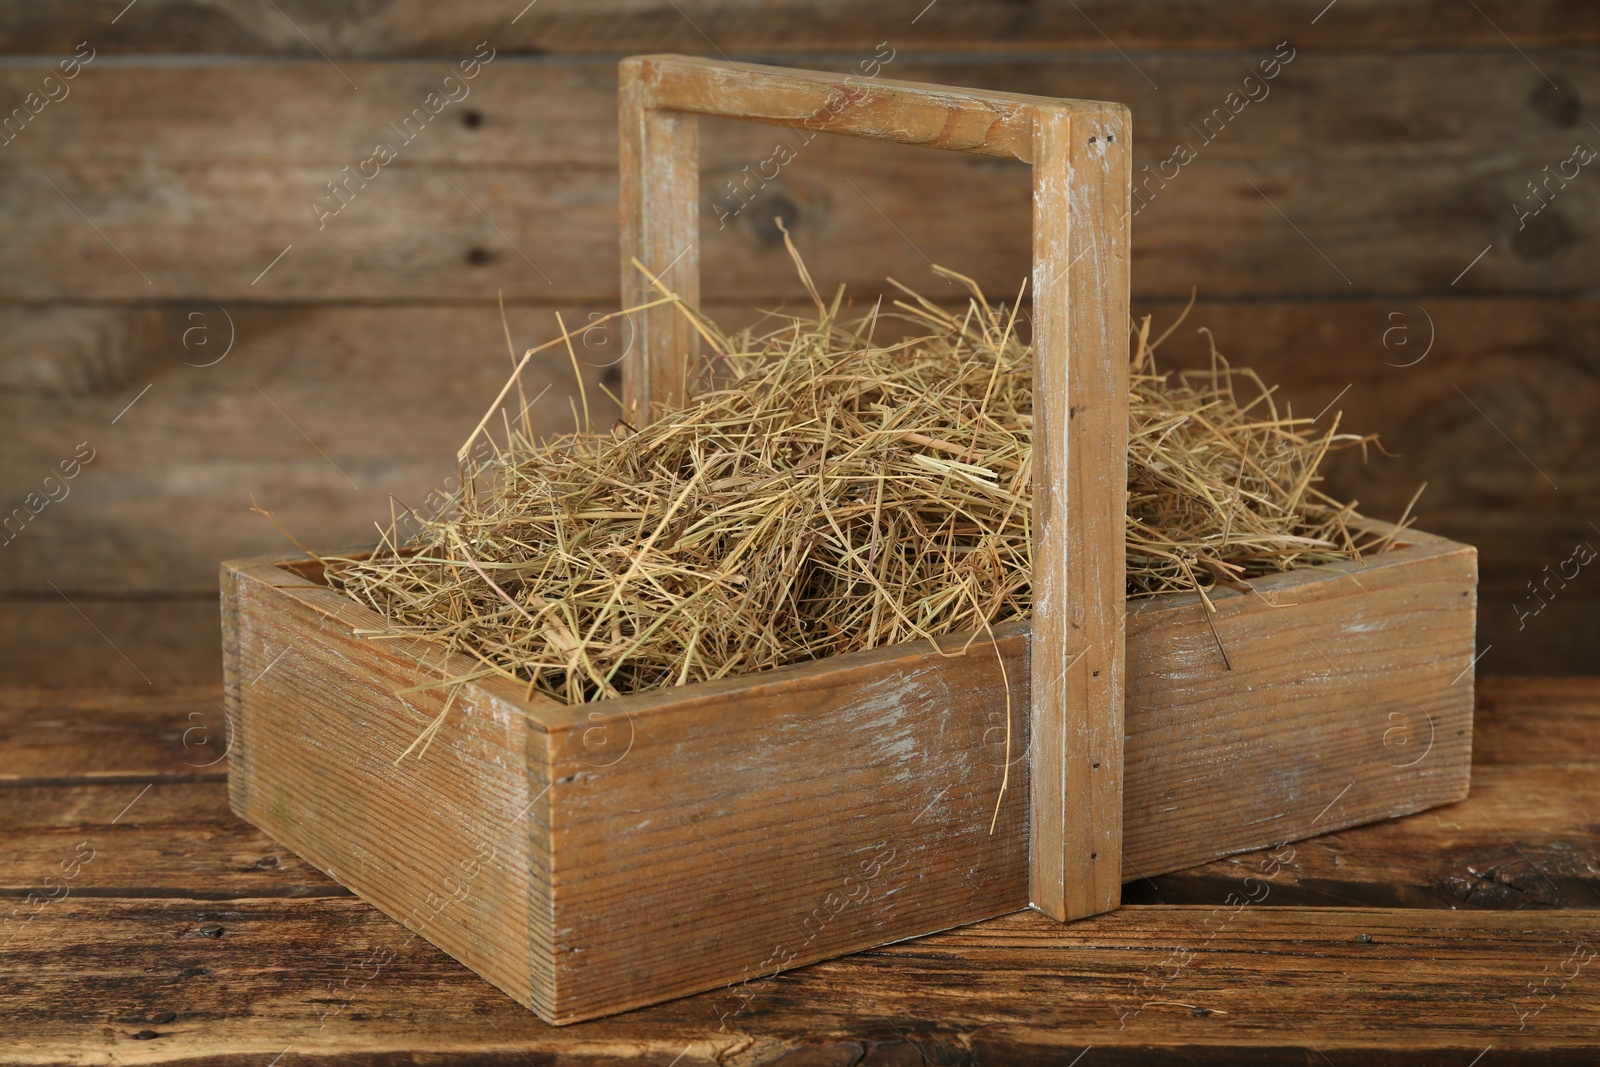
{"points": [[723, 836]]}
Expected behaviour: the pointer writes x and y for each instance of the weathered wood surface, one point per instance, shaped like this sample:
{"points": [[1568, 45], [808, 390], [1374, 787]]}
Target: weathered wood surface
{"points": [[1342, 699], [650, 862], [1526, 837], [858, 104], [1081, 157], [323, 758], [1400, 173], [659, 217], [1552, 720], [1527, 840], [1525, 729], [329, 979], [140, 734], [804, 26], [314, 415], [629, 908], [332, 981]]}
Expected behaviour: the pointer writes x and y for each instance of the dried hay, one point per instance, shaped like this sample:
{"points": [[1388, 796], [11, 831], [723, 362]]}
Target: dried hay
{"points": [[825, 493]]}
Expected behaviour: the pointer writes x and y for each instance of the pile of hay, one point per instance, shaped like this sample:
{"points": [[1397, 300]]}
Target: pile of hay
{"points": [[829, 492]]}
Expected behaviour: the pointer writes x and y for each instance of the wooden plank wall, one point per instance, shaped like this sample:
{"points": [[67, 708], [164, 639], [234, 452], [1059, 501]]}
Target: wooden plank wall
{"points": [[159, 204]]}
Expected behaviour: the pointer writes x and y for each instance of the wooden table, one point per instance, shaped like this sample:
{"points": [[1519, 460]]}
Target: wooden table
{"points": [[144, 924]]}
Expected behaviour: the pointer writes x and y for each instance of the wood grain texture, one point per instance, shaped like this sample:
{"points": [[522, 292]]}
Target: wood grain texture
{"points": [[1374, 661], [148, 856], [1524, 840], [52, 642], [1527, 837], [1080, 307], [659, 153], [1399, 172], [321, 734], [582, 27], [1537, 720], [627, 910], [760, 824], [950, 117], [154, 733], [330, 979], [313, 415], [664, 872], [1527, 820]]}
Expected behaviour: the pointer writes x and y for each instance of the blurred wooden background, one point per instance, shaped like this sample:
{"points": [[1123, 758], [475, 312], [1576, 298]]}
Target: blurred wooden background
{"points": [[161, 209]]}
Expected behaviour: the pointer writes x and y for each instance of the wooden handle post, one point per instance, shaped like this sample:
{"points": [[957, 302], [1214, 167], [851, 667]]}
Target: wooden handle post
{"points": [[1081, 153]]}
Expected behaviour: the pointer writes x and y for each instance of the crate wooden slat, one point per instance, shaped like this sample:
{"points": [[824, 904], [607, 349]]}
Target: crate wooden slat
{"points": [[590, 859]]}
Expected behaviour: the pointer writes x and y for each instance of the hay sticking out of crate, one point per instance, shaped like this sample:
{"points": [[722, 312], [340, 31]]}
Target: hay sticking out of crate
{"points": [[826, 493]]}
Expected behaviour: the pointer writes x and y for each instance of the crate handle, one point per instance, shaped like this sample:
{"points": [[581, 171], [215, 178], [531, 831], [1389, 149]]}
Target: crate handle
{"points": [[1080, 152]]}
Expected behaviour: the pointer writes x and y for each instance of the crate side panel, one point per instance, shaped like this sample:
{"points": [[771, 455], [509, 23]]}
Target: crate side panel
{"points": [[1346, 697], [725, 837], [435, 840]]}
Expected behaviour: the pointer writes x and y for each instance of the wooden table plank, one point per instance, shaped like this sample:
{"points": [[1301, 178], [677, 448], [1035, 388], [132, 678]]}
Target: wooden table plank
{"points": [[137, 959], [137, 735], [330, 979], [1526, 837], [1537, 721], [210, 857]]}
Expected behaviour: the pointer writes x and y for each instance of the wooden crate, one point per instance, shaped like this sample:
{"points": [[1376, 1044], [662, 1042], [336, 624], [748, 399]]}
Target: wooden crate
{"points": [[595, 858], [591, 859]]}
